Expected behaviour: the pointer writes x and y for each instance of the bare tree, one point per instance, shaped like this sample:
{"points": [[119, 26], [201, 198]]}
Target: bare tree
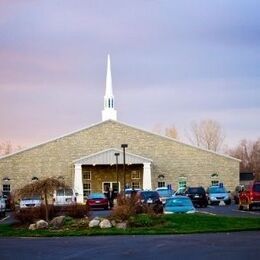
{"points": [[249, 154], [43, 188], [170, 131], [6, 148], [207, 134]]}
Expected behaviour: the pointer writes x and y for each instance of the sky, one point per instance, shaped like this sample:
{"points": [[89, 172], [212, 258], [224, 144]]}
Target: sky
{"points": [[173, 62]]}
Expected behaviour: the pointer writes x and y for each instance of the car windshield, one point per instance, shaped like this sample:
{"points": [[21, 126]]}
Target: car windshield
{"points": [[165, 193], [149, 194], [64, 192], [68, 192], [32, 198], [217, 190], [96, 196], [196, 190], [256, 187], [178, 202]]}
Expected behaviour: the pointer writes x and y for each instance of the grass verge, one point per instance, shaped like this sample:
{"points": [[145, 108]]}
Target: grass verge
{"points": [[165, 224]]}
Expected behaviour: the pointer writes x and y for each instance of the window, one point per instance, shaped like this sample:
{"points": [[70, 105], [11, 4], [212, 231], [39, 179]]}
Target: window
{"points": [[86, 189], [135, 185], [86, 175], [182, 183], [161, 184], [214, 183], [135, 174], [6, 189]]}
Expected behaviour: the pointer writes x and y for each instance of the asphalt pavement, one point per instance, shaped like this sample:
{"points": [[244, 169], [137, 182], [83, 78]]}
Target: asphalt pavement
{"points": [[237, 245]]}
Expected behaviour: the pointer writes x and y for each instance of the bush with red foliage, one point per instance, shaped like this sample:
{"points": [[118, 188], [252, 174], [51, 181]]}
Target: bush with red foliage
{"points": [[127, 207], [30, 215]]}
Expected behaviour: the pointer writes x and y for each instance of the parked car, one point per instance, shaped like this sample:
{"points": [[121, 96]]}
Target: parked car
{"points": [[164, 193], [179, 204], [129, 192], [8, 202], [2, 206], [217, 194], [97, 200], [197, 195], [31, 202], [236, 193], [250, 196], [151, 199], [64, 196]]}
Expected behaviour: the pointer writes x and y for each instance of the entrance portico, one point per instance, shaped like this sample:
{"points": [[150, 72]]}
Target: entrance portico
{"points": [[94, 170]]}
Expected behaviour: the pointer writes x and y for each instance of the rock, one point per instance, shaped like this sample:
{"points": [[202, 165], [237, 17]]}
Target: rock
{"points": [[105, 223], [57, 222], [122, 225], [41, 224], [32, 227], [94, 223], [113, 223]]}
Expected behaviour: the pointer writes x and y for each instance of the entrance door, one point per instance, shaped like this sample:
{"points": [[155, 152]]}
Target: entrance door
{"points": [[107, 185]]}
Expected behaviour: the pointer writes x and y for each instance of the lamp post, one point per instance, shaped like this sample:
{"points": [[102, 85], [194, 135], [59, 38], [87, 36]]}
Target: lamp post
{"points": [[124, 146], [116, 155]]}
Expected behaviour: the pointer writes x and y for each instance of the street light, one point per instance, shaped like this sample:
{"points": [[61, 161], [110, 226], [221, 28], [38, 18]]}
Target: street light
{"points": [[124, 146], [116, 155]]}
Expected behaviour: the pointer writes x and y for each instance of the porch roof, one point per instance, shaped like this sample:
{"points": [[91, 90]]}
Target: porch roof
{"points": [[107, 157]]}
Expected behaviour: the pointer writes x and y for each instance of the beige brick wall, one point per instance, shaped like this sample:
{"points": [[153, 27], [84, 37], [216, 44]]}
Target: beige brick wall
{"points": [[170, 158]]}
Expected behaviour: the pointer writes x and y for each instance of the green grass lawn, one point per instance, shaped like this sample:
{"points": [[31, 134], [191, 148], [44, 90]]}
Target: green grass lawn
{"points": [[165, 224]]}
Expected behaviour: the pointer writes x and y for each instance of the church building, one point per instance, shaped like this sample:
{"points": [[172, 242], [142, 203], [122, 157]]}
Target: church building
{"points": [[117, 155]]}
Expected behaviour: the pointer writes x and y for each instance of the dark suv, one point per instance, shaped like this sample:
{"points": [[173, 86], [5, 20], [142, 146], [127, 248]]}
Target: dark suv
{"points": [[151, 199], [197, 195]]}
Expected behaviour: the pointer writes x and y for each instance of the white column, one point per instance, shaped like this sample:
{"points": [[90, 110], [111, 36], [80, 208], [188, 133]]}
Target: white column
{"points": [[78, 184], [147, 177]]}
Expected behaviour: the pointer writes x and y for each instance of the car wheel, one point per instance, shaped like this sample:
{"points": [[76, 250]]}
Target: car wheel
{"points": [[228, 202], [250, 207], [240, 207]]}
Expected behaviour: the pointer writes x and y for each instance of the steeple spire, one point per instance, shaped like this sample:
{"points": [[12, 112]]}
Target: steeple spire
{"points": [[109, 112]]}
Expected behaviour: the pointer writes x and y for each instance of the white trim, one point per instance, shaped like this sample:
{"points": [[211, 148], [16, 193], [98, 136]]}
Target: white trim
{"points": [[117, 122], [113, 149], [147, 177], [78, 183]]}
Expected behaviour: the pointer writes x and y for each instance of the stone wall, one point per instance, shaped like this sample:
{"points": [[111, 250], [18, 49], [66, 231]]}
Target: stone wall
{"points": [[170, 158]]}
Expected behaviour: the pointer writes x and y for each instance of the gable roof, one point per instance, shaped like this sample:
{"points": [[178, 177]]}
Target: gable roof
{"points": [[123, 124], [108, 157]]}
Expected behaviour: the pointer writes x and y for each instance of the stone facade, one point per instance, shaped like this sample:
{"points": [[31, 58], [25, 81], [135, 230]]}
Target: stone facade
{"points": [[172, 161]]}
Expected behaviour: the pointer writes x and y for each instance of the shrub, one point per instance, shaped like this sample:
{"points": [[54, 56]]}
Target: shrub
{"points": [[29, 215], [128, 207], [74, 211], [145, 220]]}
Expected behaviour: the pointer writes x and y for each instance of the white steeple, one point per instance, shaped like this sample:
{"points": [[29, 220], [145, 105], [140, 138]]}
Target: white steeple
{"points": [[109, 112]]}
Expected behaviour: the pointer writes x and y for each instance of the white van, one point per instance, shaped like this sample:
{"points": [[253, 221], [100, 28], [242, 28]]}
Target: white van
{"points": [[65, 196]]}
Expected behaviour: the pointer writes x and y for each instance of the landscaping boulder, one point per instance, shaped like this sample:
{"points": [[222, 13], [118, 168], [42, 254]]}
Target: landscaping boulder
{"points": [[122, 225], [32, 227], [105, 223], [94, 223], [113, 222], [57, 222], [41, 224]]}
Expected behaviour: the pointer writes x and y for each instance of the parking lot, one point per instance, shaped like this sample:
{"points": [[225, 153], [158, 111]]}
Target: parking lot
{"points": [[229, 210], [225, 210]]}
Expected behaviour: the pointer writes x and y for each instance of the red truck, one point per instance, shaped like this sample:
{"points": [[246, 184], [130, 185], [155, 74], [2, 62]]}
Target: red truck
{"points": [[249, 197]]}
